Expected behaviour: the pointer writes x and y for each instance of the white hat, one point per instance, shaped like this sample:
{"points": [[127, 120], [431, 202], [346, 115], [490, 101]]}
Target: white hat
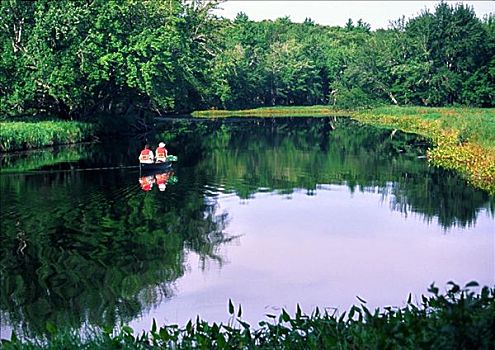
{"points": [[162, 187], [161, 144]]}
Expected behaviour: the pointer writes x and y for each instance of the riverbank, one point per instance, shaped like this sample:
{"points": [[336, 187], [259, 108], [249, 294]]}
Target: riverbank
{"points": [[459, 318], [280, 111], [20, 135], [463, 138]]}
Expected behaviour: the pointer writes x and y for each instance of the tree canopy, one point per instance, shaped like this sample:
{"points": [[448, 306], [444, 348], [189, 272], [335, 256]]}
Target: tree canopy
{"points": [[76, 59]]}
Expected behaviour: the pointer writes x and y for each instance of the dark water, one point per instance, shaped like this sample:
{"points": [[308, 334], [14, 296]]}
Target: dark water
{"points": [[268, 213]]}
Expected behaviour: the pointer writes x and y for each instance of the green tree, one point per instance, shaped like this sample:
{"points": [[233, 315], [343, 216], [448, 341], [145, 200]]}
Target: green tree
{"points": [[454, 40], [73, 59], [79, 59]]}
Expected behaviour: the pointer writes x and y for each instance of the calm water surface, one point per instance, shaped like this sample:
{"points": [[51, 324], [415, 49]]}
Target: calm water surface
{"points": [[268, 213]]}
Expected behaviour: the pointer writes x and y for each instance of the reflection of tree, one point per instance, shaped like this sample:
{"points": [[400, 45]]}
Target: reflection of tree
{"points": [[284, 154], [92, 256], [441, 195]]}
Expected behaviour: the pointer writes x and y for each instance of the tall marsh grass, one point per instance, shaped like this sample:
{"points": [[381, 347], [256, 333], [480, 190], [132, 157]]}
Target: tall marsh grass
{"points": [[18, 135], [472, 124]]}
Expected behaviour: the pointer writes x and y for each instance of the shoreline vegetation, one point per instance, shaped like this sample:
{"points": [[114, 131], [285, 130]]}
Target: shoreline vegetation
{"points": [[459, 318], [20, 135], [463, 138]]}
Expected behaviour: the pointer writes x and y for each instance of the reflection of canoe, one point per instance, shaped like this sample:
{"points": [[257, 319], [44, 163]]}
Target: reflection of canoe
{"points": [[156, 168]]}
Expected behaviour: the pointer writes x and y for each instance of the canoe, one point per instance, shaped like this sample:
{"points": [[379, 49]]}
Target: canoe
{"points": [[156, 168]]}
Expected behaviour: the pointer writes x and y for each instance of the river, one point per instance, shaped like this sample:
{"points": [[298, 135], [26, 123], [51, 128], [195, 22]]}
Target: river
{"points": [[268, 213]]}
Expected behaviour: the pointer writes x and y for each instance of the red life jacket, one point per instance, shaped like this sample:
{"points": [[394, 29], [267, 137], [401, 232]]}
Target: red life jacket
{"points": [[145, 154], [161, 152]]}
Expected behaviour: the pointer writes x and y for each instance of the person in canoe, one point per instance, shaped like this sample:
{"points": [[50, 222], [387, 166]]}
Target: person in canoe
{"points": [[146, 155], [161, 153]]}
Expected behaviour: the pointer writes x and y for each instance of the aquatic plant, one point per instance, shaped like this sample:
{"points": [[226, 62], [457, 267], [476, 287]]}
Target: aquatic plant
{"points": [[457, 319]]}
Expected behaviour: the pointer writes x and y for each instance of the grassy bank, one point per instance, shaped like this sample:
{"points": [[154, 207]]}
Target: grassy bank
{"points": [[15, 136], [458, 319], [464, 138], [298, 111]]}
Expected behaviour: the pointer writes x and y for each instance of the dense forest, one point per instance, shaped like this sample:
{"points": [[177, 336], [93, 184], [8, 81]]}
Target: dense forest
{"points": [[77, 59]]}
